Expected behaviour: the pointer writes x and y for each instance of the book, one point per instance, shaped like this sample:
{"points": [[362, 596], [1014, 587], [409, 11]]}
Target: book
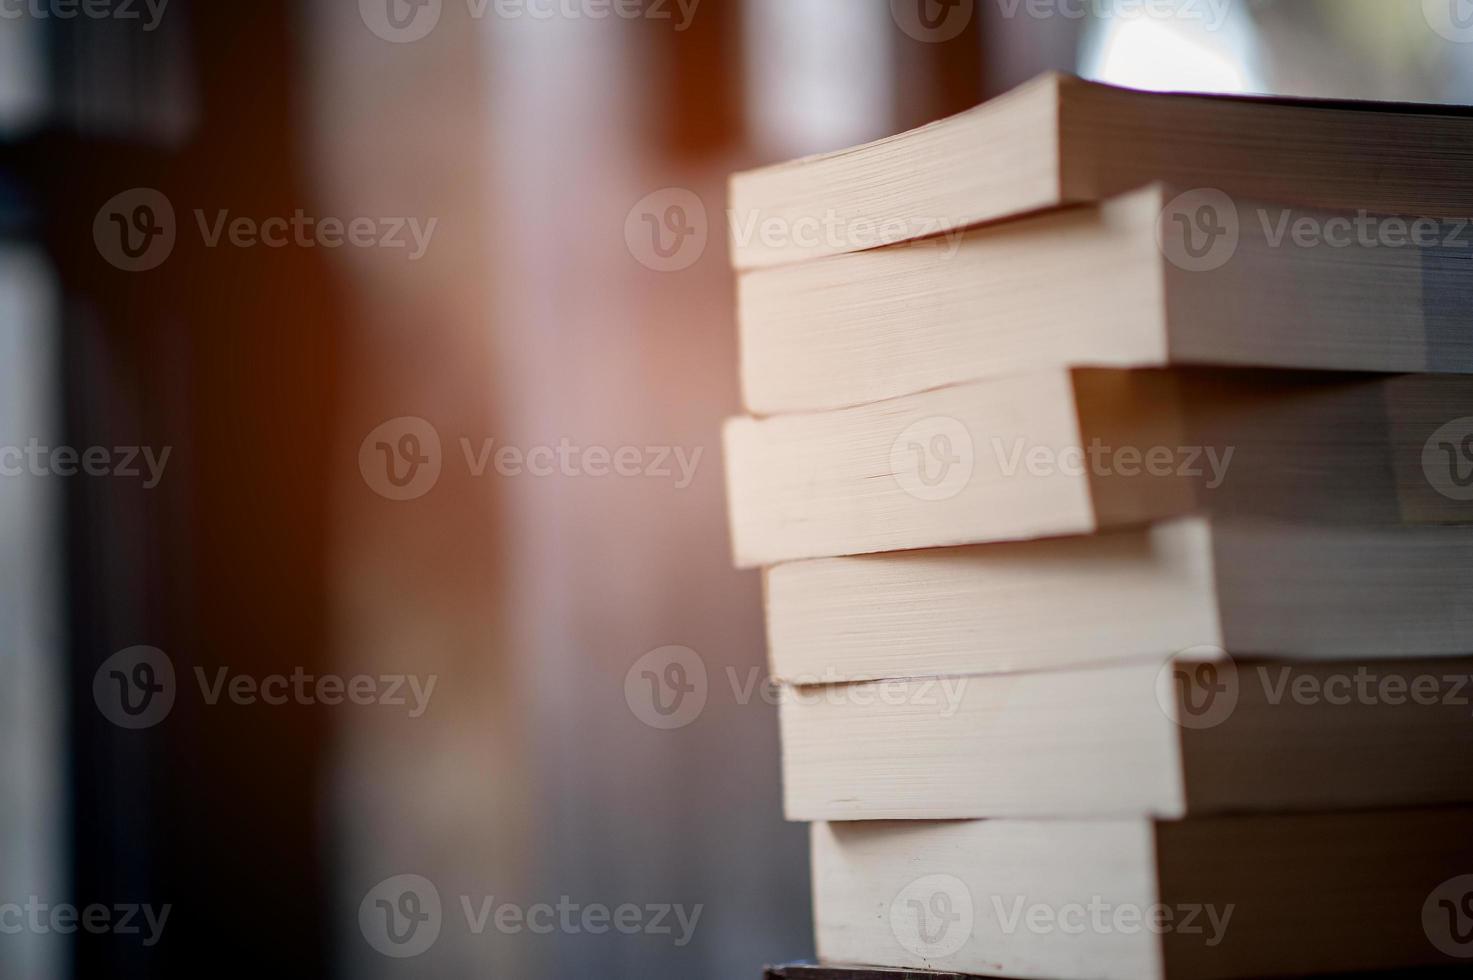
{"points": [[1195, 734], [1280, 895], [1059, 140], [813, 971], [1111, 284], [1076, 451], [1111, 470], [1265, 588]]}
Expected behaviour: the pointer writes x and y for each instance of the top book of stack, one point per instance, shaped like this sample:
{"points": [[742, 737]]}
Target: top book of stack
{"points": [[1143, 192]]}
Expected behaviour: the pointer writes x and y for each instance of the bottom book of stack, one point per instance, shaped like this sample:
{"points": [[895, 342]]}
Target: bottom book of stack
{"points": [[1236, 896]]}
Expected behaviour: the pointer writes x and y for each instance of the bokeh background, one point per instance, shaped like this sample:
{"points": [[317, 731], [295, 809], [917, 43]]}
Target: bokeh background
{"points": [[547, 140]]}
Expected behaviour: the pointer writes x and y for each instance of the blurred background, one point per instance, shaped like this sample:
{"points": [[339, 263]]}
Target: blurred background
{"points": [[361, 509]]}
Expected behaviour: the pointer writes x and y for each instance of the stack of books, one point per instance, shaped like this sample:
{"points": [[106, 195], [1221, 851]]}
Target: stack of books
{"points": [[1109, 457]]}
